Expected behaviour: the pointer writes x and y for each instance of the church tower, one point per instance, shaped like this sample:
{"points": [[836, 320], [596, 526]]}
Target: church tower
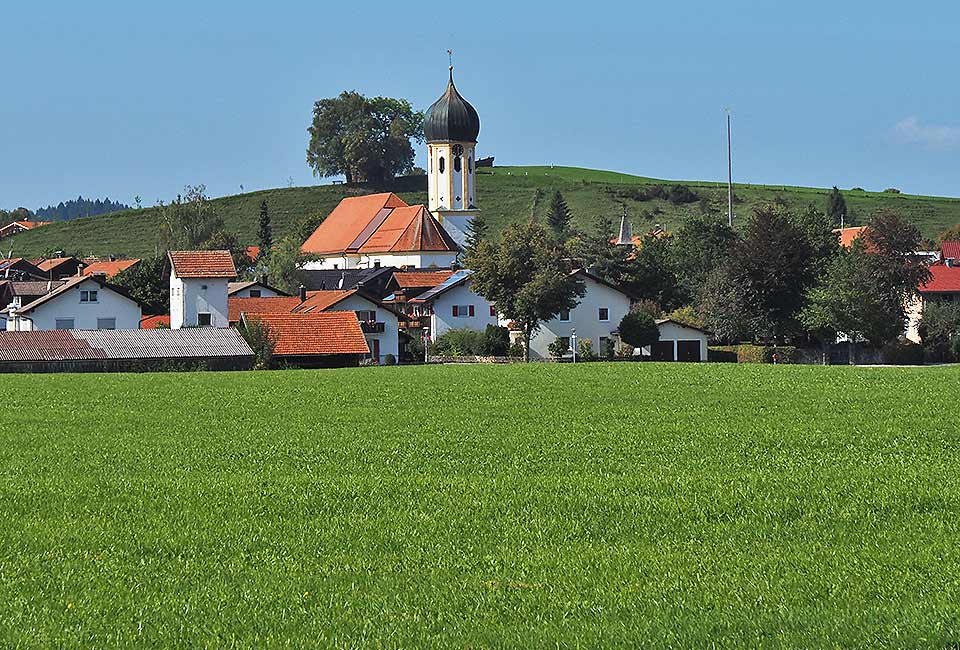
{"points": [[451, 126]]}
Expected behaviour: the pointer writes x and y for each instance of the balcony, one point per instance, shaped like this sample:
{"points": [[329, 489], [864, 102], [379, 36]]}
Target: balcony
{"points": [[371, 327]]}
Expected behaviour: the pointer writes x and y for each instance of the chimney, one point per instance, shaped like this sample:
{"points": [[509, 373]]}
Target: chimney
{"points": [[302, 291], [360, 285]]}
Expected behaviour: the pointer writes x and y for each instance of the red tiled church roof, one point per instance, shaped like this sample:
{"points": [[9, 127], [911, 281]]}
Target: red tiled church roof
{"points": [[202, 264], [314, 334], [378, 223]]}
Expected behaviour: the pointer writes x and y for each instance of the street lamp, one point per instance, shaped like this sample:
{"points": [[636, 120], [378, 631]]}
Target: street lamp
{"points": [[426, 344], [573, 343]]}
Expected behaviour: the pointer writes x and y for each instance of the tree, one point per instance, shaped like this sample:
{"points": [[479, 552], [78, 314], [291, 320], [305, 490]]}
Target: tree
{"points": [[836, 206], [189, 221], [940, 329], [950, 234], [604, 258], [701, 244], [265, 232], [284, 262], [261, 340], [558, 218], [524, 275], [476, 233], [639, 329], [148, 284], [365, 139], [651, 273]]}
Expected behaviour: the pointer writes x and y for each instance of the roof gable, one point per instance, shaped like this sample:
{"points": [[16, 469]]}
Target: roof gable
{"points": [[202, 264], [950, 250], [75, 283]]}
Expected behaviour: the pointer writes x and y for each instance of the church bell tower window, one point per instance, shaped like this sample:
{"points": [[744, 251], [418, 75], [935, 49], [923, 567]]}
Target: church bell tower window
{"points": [[456, 163], [441, 164]]}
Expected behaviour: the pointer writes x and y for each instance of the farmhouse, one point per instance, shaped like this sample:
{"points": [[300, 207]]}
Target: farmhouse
{"points": [[16, 227], [452, 304], [198, 288], [315, 340], [596, 318], [86, 303]]}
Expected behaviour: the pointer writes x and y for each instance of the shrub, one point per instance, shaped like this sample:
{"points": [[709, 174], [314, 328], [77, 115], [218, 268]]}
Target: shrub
{"points": [[389, 360], [413, 350], [891, 190], [559, 348], [259, 338], [688, 316], [623, 350], [516, 350], [722, 354], [496, 341], [585, 350], [903, 353], [639, 329], [608, 349], [458, 343], [764, 354], [680, 194]]}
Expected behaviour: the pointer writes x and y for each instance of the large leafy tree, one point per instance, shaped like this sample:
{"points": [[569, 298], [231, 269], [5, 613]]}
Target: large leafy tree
{"points": [[639, 329], [701, 245], [651, 274], [524, 275], [365, 139], [148, 284], [598, 252]]}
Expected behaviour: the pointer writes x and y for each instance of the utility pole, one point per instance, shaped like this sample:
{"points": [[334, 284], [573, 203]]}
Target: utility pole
{"points": [[729, 174]]}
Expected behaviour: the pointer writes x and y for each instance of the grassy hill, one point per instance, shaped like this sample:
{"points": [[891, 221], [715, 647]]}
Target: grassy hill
{"points": [[651, 505], [505, 194]]}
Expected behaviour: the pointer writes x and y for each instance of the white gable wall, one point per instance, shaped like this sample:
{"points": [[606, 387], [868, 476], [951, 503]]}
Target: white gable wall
{"points": [[265, 292], [423, 260], [585, 318], [442, 319], [67, 305], [191, 296]]}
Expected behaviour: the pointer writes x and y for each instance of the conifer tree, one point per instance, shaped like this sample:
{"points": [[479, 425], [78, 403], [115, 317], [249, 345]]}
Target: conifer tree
{"points": [[558, 218], [265, 234], [476, 233], [836, 206]]}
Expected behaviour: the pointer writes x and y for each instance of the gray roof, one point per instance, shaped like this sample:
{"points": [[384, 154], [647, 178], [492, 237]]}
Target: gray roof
{"points": [[455, 280], [76, 345]]}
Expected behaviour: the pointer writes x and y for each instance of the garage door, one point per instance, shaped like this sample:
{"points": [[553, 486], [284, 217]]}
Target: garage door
{"points": [[688, 351], [662, 351]]}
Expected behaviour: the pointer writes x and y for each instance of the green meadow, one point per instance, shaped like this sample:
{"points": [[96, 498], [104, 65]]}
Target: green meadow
{"points": [[542, 506], [505, 194]]}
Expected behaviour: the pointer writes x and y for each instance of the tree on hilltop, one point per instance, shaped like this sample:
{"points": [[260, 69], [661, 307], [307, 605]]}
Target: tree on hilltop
{"points": [[836, 206]]}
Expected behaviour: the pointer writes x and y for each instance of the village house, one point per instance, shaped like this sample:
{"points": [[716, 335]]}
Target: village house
{"points": [[943, 286], [107, 267], [58, 268], [405, 285], [452, 304], [84, 303], [198, 288], [314, 340], [16, 227], [17, 268], [596, 318]]}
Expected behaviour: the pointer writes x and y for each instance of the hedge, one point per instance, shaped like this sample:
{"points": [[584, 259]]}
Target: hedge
{"points": [[753, 354]]}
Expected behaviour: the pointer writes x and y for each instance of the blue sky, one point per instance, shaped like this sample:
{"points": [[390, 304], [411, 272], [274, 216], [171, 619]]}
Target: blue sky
{"points": [[121, 99]]}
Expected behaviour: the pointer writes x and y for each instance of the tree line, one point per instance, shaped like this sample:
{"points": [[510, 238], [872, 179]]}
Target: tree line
{"points": [[79, 207]]}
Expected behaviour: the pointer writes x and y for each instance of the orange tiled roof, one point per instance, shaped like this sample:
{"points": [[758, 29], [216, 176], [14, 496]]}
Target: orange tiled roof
{"points": [[155, 322], [378, 223], [429, 279], [252, 253], [269, 305], [107, 267], [314, 334], [203, 264], [47, 265], [318, 301], [848, 235]]}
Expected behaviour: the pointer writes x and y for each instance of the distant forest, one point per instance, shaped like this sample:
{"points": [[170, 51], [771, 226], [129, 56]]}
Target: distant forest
{"points": [[80, 207]]}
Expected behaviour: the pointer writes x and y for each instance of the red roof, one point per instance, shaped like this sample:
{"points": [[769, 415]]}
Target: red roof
{"points": [[252, 253], [321, 300], [315, 334], [270, 305], [107, 267], [848, 235], [202, 264], [161, 321], [943, 279], [950, 250], [420, 279], [378, 223]]}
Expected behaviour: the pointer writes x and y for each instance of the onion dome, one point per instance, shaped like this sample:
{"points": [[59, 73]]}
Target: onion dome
{"points": [[451, 118]]}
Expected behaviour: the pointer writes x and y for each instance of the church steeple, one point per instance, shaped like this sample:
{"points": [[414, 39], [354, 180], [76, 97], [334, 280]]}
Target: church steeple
{"points": [[451, 126]]}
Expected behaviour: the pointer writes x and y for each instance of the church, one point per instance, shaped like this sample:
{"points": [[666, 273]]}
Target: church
{"points": [[382, 230]]}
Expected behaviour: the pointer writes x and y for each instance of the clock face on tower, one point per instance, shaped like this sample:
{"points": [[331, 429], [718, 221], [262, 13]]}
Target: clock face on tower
{"points": [[458, 150]]}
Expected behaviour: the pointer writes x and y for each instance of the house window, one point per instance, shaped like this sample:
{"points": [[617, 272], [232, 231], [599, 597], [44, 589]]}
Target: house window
{"points": [[88, 295], [564, 315], [64, 324], [367, 316], [463, 311], [106, 323], [203, 287], [203, 319], [254, 293], [604, 314], [441, 164]]}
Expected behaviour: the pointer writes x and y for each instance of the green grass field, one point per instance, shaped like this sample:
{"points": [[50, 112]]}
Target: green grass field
{"points": [[505, 194], [602, 505]]}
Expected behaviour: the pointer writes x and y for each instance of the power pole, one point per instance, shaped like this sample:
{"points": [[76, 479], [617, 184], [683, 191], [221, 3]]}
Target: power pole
{"points": [[729, 174]]}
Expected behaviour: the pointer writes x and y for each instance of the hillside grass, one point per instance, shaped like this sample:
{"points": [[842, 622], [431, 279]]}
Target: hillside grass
{"points": [[505, 194], [544, 506]]}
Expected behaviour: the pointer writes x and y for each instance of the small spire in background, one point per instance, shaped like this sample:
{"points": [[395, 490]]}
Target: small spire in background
{"points": [[626, 234]]}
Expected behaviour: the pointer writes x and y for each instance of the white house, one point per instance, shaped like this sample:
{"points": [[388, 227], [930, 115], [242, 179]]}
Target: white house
{"points": [[453, 304], [678, 342], [253, 289], [198, 288], [82, 303], [378, 322], [595, 318]]}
